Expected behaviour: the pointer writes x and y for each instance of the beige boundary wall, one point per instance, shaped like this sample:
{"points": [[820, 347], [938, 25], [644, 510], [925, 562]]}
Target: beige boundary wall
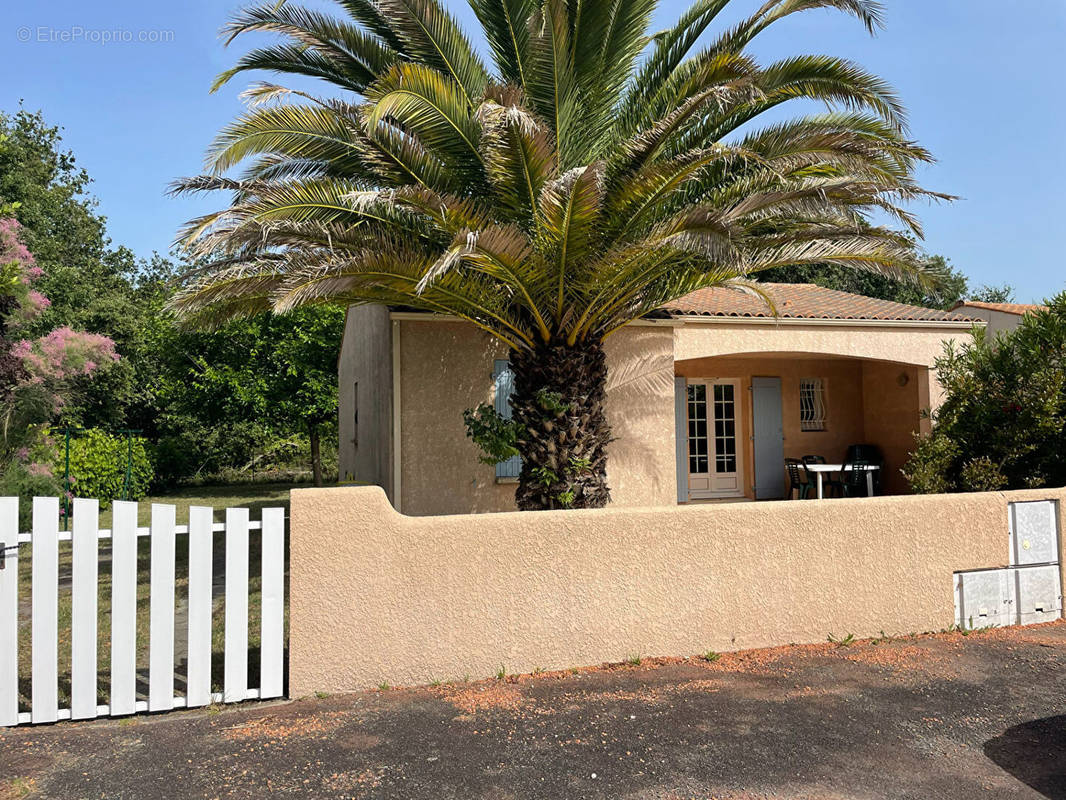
{"points": [[377, 596]]}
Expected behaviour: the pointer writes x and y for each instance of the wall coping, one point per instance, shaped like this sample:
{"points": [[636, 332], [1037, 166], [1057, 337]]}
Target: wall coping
{"points": [[373, 498]]}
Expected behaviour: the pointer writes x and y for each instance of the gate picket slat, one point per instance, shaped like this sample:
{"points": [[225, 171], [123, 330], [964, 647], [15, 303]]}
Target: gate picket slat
{"points": [[161, 610], [123, 608], [44, 700], [201, 539], [83, 613], [235, 683], [9, 612], [273, 603]]}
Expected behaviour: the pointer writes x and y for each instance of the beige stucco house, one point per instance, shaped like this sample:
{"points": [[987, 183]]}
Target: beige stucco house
{"points": [[998, 317], [705, 400]]}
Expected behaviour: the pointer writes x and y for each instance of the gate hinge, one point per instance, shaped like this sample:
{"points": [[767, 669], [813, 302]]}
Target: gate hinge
{"points": [[3, 552]]}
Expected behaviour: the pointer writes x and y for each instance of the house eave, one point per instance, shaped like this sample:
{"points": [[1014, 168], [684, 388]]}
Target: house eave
{"points": [[426, 316], [942, 324], [679, 320]]}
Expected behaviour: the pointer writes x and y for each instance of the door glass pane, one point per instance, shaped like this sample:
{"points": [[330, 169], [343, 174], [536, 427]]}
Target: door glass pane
{"points": [[698, 444], [725, 440]]}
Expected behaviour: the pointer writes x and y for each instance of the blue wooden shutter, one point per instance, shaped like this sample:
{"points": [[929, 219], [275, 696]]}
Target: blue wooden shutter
{"points": [[504, 381], [681, 437]]}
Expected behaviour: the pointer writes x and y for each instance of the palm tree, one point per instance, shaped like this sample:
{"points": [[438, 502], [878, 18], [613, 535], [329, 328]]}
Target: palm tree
{"points": [[593, 173]]}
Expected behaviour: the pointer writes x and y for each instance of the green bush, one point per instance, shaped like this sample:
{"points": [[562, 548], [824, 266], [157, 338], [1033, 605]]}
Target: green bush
{"points": [[1002, 424], [26, 481], [29, 471], [981, 475], [930, 465], [495, 436], [196, 452], [98, 467]]}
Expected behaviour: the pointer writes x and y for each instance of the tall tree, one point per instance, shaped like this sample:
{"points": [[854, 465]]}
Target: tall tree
{"points": [[91, 284], [993, 293], [593, 173], [280, 371], [59, 221]]}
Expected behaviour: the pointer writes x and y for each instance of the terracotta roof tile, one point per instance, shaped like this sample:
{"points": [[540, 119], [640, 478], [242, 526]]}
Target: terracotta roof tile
{"points": [[804, 301], [1008, 308]]}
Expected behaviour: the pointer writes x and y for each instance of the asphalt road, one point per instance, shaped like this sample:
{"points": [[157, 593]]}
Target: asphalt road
{"points": [[942, 716]]}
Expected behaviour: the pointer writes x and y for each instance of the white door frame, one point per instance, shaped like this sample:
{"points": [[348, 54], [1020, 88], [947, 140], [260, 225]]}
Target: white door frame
{"points": [[735, 478]]}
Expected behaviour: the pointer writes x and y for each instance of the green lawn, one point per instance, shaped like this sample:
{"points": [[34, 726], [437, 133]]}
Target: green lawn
{"points": [[253, 496]]}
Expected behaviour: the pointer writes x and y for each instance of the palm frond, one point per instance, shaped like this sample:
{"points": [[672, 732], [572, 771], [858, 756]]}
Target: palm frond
{"points": [[353, 52], [432, 36], [720, 82], [624, 39], [371, 16], [596, 173], [869, 12], [646, 194], [294, 59], [425, 104], [568, 211], [519, 158], [507, 32], [296, 131], [396, 158], [670, 47], [552, 86]]}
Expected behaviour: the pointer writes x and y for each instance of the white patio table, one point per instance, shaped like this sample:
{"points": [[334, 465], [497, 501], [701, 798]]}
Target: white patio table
{"points": [[821, 469]]}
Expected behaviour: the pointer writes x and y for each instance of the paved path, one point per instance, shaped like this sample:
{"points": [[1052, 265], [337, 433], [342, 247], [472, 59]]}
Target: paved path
{"points": [[941, 716]]}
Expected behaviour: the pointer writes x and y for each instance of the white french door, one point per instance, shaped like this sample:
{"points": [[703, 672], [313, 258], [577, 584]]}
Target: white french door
{"points": [[713, 454]]}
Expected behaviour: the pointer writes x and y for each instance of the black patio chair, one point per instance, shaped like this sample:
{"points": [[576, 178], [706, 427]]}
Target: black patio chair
{"points": [[853, 477], [799, 479], [830, 485], [871, 454]]}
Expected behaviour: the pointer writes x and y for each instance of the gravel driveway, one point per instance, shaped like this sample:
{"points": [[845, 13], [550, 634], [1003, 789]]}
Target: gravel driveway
{"points": [[937, 716]]}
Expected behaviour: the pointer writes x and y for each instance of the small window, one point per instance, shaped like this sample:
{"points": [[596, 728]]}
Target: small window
{"points": [[812, 404]]}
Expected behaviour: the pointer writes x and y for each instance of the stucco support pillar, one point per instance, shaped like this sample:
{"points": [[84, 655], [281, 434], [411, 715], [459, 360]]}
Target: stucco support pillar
{"points": [[925, 406]]}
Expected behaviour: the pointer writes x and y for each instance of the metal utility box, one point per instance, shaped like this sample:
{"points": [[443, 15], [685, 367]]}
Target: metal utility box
{"points": [[1039, 594], [1034, 532], [1030, 589], [984, 598]]}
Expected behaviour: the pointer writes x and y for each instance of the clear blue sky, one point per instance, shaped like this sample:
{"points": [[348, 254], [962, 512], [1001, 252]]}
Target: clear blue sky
{"points": [[982, 80]]}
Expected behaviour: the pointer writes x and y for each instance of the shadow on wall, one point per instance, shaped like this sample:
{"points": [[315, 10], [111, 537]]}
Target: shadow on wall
{"points": [[1034, 753], [640, 410]]}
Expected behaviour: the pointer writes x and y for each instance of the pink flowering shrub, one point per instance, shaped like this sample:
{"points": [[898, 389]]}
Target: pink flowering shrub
{"points": [[63, 354], [59, 355], [12, 248], [35, 303], [38, 374], [39, 470], [18, 271]]}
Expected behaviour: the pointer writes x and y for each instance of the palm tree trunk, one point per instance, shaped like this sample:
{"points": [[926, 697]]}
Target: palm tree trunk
{"points": [[558, 397]]}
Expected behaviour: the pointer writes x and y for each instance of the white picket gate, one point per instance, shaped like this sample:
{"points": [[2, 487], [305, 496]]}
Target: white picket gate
{"points": [[164, 533]]}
